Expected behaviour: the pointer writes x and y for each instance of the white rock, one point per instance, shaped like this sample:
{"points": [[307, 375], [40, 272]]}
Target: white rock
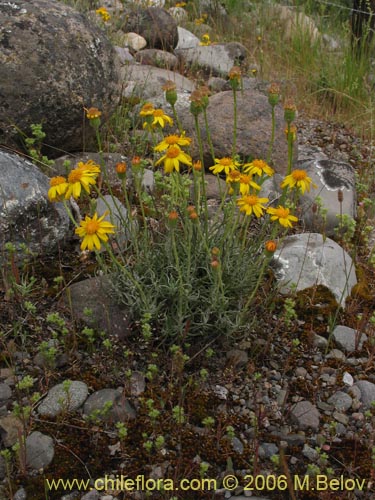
{"points": [[307, 260], [134, 41]]}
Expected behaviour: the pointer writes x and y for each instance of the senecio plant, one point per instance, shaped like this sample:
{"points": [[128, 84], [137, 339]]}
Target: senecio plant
{"points": [[190, 271]]}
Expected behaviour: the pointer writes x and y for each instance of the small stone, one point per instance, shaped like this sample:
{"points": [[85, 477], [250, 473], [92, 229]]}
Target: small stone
{"points": [[137, 383], [39, 450], [341, 401], [237, 445], [305, 415], [320, 342], [301, 372], [134, 41], [367, 392], [237, 358], [310, 453], [20, 494], [61, 398], [10, 429], [108, 404], [221, 392], [336, 354], [267, 450], [5, 392], [348, 379], [340, 417], [347, 339]]}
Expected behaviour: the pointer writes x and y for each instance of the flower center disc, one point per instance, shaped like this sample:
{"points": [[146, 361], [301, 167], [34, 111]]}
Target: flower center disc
{"points": [[251, 200], [75, 176], [173, 152], [92, 227], [299, 175]]}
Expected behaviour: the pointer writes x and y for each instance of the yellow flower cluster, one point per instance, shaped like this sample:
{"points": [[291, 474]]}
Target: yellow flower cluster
{"points": [[240, 179], [83, 176], [103, 13], [154, 117], [173, 155], [205, 40]]}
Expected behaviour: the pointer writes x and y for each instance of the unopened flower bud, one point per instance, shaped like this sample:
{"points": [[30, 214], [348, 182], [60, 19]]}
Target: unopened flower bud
{"points": [[121, 170], [170, 92], [273, 94], [235, 75], [173, 215], [271, 246], [289, 111]]}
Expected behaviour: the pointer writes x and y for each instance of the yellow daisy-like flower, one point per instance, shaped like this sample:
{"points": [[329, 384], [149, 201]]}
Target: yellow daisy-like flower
{"points": [[77, 179], [103, 13], [233, 176], [226, 164], [205, 40], [89, 166], [94, 229], [282, 215], [58, 188], [172, 140], [251, 204], [298, 178], [258, 167], [246, 183], [160, 119], [172, 159]]}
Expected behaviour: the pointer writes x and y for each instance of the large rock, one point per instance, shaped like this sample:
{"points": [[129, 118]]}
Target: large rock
{"points": [[156, 26], [308, 259], [147, 81], [330, 177], [26, 215], [253, 128], [53, 62], [106, 315], [218, 58]]}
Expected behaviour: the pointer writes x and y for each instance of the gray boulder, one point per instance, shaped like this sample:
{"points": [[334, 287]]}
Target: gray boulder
{"points": [[306, 260], [53, 62], [26, 215], [253, 128], [186, 39], [218, 58], [158, 58], [146, 82], [155, 24]]}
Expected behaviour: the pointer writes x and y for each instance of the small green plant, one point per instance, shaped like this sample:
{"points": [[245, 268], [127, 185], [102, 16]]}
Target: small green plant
{"points": [[34, 146], [289, 314], [122, 430]]}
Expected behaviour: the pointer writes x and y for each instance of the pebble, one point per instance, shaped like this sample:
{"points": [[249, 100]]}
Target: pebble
{"points": [[305, 415], [60, 399], [341, 401], [367, 392], [40, 450], [5, 392], [347, 339]]}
